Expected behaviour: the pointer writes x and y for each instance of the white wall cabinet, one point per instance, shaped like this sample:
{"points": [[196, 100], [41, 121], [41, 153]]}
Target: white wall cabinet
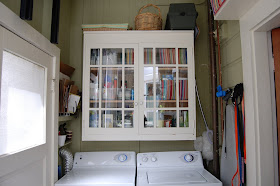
{"points": [[138, 85]]}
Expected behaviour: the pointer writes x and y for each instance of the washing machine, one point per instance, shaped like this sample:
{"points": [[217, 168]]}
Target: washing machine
{"points": [[101, 169], [173, 168]]}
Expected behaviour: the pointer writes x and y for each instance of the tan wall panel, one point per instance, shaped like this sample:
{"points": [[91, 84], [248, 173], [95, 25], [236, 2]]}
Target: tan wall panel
{"points": [[231, 56]]}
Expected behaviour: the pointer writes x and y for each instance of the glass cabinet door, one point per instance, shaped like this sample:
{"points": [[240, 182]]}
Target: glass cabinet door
{"points": [[112, 91], [165, 88]]}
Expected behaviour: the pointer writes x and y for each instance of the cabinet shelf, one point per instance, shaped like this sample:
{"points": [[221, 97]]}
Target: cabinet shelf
{"points": [[167, 101], [110, 68], [111, 101]]}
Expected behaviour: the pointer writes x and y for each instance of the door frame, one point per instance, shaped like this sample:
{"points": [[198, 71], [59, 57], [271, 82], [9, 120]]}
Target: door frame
{"points": [[13, 23], [262, 164]]}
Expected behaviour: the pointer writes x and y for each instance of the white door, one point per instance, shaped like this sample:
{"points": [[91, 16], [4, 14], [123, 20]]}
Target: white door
{"points": [[167, 91], [26, 153]]}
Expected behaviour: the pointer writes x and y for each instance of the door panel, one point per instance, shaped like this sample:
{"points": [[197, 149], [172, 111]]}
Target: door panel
{"points": [[167, 90], [27, 166]]}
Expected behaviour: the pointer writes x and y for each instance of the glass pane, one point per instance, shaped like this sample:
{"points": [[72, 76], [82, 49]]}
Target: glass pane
{"points": [[166, 118], [183, 87], [129, 56], [129, 87], [111, 119], [128, 119], [23, 109], [111, 56], [149, 87], [166, 87], [165, 56], [148, 119], [184, 118], [111, 83], [94, 88], [182, 56], [94, 56], [93, 118], [148, 56]]}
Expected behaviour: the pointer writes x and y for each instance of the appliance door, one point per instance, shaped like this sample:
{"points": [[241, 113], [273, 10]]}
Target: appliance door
{"points": [[112, 176], [175, 177]]}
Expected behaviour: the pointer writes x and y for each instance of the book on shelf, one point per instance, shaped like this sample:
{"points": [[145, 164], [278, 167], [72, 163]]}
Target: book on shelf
{"points": [[182, 56], [129, 59], [148, 56], [168, 87], [166, 56], [183, 88]]}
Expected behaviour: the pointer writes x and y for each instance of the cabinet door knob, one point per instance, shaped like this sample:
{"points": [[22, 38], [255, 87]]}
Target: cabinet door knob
{"points": [[135, 103], [141, 102]]}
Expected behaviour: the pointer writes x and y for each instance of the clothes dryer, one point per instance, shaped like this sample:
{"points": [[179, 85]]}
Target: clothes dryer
{"points": [[101, 169]]}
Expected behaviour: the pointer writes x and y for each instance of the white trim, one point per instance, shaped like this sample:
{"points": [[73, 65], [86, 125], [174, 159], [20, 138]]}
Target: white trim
{"points": [[273, 104], [254, 26], [12, 22]]}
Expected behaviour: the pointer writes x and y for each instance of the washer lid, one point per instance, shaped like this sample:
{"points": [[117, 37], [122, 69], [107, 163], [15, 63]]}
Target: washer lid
{"points": [[99, 176], [172, 177]]}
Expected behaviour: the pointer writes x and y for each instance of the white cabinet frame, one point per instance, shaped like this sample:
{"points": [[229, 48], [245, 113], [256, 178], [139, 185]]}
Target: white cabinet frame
{"points": [[138, 40]]}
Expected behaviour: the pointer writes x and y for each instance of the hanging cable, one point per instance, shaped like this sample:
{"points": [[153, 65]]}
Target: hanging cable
{"points": [[209, 132]]}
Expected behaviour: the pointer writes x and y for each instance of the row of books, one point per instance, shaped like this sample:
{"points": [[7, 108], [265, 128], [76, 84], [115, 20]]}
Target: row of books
{"points": [[216, 5], [168, 90], [166, 56], [183, 89], [183, 56], [129, 56], [148, 56]]}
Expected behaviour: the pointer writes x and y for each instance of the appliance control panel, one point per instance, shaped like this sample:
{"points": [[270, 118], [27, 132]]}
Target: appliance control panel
{"points": [[89, 159], [170, 159]]}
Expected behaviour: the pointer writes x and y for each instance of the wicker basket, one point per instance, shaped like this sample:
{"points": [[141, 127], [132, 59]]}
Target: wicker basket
{"points": [[148, 21]]}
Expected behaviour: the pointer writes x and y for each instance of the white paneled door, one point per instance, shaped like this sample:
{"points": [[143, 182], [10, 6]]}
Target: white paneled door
{"points": [[25, 113]]}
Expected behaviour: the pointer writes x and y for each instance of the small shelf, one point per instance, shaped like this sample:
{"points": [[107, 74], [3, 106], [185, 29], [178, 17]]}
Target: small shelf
{"points": [[111, 68], [65, 118], [66, 143], [168, 101], [111, 101]]}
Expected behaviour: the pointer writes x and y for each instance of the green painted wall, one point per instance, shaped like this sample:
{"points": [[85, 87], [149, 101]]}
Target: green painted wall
{"points": [[38, 5], [124, 11], [41, 21], [231, 57]]}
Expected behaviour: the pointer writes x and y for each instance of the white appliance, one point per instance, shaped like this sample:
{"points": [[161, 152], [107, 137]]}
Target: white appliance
{"points": [[173, 168], [101, 169]]}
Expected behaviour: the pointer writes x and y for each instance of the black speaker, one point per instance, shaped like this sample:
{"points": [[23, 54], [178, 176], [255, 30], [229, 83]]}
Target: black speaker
{"points": [[26, 9], [55, 21]]}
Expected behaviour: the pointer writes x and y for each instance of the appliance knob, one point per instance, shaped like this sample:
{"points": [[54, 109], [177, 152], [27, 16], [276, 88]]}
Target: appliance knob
{"points": [[145, 159], [122, 158], [188, 158], [154, 159]]}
